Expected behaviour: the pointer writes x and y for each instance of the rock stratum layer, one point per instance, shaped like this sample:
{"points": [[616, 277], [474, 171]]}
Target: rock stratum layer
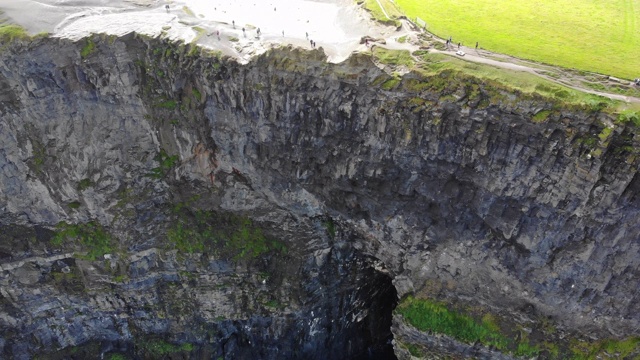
{"points": [[155, 199]]}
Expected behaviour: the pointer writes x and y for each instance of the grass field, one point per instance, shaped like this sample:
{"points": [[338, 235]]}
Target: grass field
{"points": [[593, 35], [388, 16]]}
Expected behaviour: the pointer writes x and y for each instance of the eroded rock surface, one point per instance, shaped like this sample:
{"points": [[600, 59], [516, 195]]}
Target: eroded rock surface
{"points": [[435, 185]]}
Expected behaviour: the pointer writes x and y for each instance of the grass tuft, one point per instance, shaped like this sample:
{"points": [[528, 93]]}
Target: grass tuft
{"points": [[84, 184], [390, 84], [393, 57], [607, 348], [166, 163], [331, 228], [230, 235], [162, 349], [12, 32], [428, 315], [541, 116], [433, 316], [169, 104], [92, 236], [197, 94], [74, 204], [414, 350], [87, 49], [629, 116]]}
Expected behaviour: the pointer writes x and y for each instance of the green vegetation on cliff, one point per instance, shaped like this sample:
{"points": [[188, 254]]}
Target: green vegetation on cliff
{"points": [[607, 348], [91, 237], [223, 234], [160, 349], [84, 184], [427, 315], [165, 162], [167, 104], [486, 329], [393, 57], [88, 48], [630, 116], [11, 32]]}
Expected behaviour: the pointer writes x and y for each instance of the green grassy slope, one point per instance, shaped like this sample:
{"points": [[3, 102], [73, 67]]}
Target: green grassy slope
{"points": [[592, 35]]}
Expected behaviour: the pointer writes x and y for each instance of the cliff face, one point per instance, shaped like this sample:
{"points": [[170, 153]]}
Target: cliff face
{"points": [[152, 193]]}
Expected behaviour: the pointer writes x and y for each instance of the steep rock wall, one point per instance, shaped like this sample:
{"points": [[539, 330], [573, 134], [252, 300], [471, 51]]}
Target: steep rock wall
{"points": [[451, 185], [97, 142]]}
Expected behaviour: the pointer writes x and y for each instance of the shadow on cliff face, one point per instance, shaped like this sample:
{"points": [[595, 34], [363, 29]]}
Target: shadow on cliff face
{"points": [[378, 298], [346, 314], [378, 323], [337, 304]]}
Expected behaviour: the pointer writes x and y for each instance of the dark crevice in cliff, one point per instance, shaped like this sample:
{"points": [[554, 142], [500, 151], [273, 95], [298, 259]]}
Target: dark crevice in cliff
{"points": [[157, 305]]}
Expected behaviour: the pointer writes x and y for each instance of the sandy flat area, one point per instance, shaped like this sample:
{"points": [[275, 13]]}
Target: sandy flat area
{"points": [[335, 25]]}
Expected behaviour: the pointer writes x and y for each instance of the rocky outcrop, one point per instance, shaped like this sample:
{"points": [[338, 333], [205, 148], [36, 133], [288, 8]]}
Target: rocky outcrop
{"points": [[286, 201]]}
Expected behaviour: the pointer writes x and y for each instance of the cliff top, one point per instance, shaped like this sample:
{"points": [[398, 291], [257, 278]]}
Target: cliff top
{"points": [[242, 28]]}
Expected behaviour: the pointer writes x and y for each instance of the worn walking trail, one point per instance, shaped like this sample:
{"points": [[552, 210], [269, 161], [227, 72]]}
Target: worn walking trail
{"points": [[565, 77], [337, 26], [551, 73]]}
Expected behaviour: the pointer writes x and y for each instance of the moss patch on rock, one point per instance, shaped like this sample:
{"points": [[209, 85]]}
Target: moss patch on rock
{"points": [[541, 339]]}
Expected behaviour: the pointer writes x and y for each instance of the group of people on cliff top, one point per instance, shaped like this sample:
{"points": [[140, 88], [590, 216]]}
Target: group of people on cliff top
{"points": [[449, 42], [258, 32]]}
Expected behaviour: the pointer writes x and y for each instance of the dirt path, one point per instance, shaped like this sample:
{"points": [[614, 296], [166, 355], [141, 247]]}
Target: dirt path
{"points": [[566, 77], [478, 58], [383, 10]]}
